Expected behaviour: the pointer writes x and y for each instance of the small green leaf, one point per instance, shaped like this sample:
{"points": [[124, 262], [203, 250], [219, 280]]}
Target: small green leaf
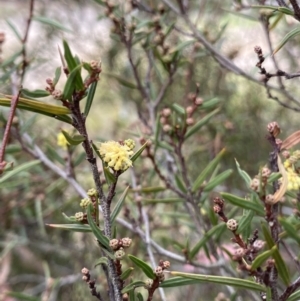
{"points": [[139, 152], [181, 46], [196, 127], [103, 240], [69, 218], [57, 75], [73, 140], [18, 169], [35, 93], [165, 145], [245, 222], [287, 37], [126, 273], [71, 227], [281, 9], [139, 296], [90, 98], [243, 203], [71, 84], [11, 59], [217, 180], [290, 229], [209, 104], [51, 22], [153, 189], [179, 183], [109, 177], [96, 150], [72, 64], [274, 177], [179, 109], [22, 297], [102, 260], [294, 297], [143, 266], [122, 81], [204, 240], [261, 258], [236, 282], [177, 281], [119, 205], [14, 29], [162, 201], [132, 286], [243, 174], [207, 170], [279, 262]]}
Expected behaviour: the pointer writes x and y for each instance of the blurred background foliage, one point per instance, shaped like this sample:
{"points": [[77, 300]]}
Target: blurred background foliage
{"points": [[34, 257]]}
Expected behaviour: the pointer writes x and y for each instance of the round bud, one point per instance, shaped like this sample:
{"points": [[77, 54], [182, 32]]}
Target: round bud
{"points": [[114, 244], [232, 224], [166, 128], [166, 112], [269, 199], [92, 192], [198, 101], [148, 283], [161, 277], [190, 121], [85, 271], [255, 184], [79, 216], [274, 128], [119, 254], [158, 270], [166, 264], [265, 172], [126, 241], [189, 110]]}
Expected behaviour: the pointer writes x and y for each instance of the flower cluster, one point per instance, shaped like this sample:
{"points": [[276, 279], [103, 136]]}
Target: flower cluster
{"points": [[117, 154], [292, 172], [62, 141], [118, 245]]}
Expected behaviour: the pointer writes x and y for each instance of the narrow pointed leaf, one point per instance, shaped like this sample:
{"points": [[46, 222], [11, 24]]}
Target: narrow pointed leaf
{"points": [[51, 22], [35, 93], [57, 75], [245, 222], [132, 286], [109, 177], [180, 183], [261, 258], [281, 9], [71, 227], [96, 150], [90, 98], [70, 218], [294, 297], [22, 296], [209, 234], [279, 262], [177, 281], [196, 127], [119, 205], [217, 180], [290, 229], [139, 296], [73, 140], [209, 104], [236, 282], [102, 260], [143, 266], [122, 81], [243, 174], [179, 109], [103, 240], [162, 201], [126, 273], [14, 29], [294, 32], [243, 203], [207, 170], [139, 152], [18, 169], [71, 84]]}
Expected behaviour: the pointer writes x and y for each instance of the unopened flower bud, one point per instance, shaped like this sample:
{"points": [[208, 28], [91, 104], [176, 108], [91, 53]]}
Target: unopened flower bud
{"points": [[57, 94], [148, 283], [79, 216], [166, 264], [166, 128], [49, 81], [232, 224], [265, 172], [273, 128], [92, 192], [161, 277], [198, 101], [189, 110], [190, 121], [166, 112], [85, 271], [158, 270], [85, 202], [255, 184], [163, 120], [114, 244], [119, 254], [258, 245], [269, 199], [126, 241]]}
